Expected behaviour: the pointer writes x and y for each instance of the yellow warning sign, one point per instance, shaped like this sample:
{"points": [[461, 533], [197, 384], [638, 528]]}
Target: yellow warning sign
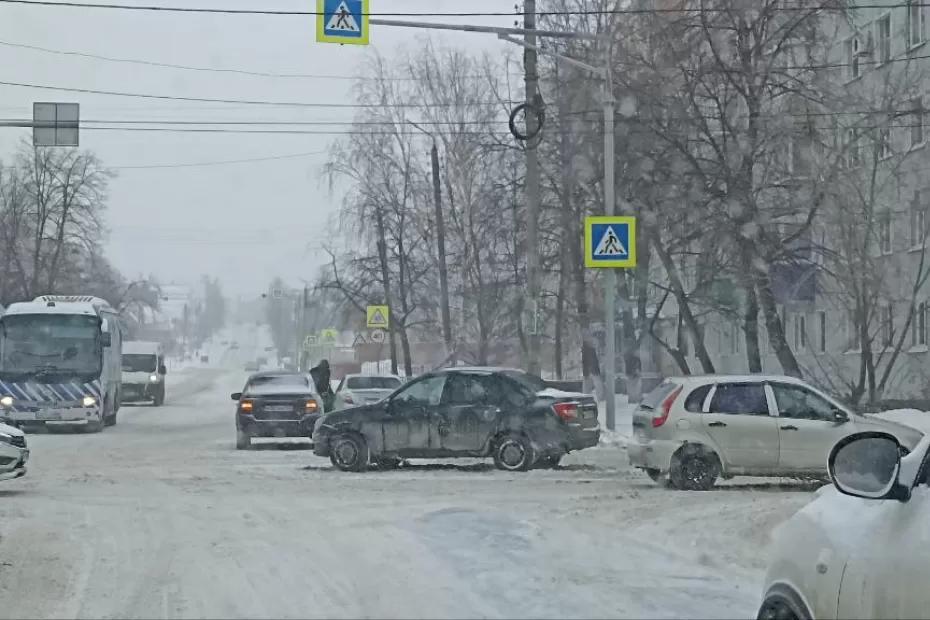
{"points": [[379, 317], [329, 335]]}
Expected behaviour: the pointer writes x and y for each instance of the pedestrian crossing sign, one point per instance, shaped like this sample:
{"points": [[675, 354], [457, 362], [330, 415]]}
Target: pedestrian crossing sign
{"points": [[379, 317], [610, 241], [342, 21]]}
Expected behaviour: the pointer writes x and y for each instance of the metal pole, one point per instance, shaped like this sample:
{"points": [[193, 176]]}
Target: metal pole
{"points": [[441, 243], [532, 188], [610, 279]]}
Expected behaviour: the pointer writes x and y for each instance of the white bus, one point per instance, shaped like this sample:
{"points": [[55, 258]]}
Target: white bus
{"points": [[60, 362]]}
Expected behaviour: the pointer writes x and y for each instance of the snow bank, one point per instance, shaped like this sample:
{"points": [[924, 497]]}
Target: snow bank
{"points": [[619, 437], [910, 417]]}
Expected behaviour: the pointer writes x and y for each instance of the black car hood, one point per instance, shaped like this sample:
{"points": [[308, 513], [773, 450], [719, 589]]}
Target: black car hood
{"points": [[353, 414]]}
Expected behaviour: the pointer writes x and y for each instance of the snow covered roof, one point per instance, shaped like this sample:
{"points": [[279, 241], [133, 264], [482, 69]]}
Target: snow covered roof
{"points": [[734, 379], [33, 307]]}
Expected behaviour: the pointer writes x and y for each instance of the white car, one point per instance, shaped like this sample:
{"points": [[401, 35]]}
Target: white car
{"points": [[356, 390], [692, 430], [861, 549], [13, 452]]}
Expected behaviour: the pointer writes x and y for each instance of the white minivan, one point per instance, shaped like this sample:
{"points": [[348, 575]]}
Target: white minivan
{"points": [[144, 372]]}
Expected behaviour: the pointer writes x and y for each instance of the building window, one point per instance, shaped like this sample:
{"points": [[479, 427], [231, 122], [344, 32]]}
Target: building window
{"points": [[887, 325], [916, 27], [884, 233], [822, 330], [853, 70], [918, 222], [916, 123], [884, 142], [853, 156], [883, 37], [800, 332], [919, 325]]}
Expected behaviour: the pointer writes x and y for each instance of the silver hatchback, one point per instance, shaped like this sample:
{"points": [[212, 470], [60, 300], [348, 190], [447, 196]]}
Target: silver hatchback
{"points": [[693, 430]]}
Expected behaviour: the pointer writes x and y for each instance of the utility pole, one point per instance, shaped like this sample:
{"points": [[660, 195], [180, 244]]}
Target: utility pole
{"points": [[610, 278], [441, 243], [531, 78]]}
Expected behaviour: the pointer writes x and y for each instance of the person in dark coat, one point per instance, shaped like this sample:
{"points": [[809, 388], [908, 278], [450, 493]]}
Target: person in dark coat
{"points": [[321, 379]]}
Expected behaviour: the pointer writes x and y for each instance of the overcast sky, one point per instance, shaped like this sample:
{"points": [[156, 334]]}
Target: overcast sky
{"points": [[242, 222]]}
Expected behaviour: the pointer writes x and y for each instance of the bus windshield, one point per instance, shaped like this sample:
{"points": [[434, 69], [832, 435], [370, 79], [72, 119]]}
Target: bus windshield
{"points": [[35, 344]]}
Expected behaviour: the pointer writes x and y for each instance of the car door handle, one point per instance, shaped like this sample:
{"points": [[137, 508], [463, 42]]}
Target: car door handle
{"points": [[789, 428], [717, 424]]}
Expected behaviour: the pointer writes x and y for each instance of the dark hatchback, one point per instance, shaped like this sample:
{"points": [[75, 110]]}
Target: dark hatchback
{"points": [[506, 414], [276, 404]]}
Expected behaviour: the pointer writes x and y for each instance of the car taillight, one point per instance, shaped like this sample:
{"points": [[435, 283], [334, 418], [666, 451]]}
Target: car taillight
{"points": [[311, 406], [246, 406], [566, 411], [660, 416]]}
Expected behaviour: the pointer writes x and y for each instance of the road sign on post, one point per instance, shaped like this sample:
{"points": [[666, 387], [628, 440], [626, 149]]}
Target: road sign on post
{"points": [[379, 317], [610, 241], [55, 124], [342, 21]]}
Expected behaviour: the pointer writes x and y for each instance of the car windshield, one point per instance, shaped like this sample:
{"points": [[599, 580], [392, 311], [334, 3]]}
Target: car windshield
{"points": [[139, 362], [289, 380], [373, 383], [50, 344]]}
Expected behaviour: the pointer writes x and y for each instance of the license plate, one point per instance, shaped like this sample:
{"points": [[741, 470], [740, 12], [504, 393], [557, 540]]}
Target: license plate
{"points": [[587, 414], [48, 415], [279, 408]]}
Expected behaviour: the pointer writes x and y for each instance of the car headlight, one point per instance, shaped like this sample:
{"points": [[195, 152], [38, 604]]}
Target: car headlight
{"points": [[153, 378], [4, 438], [6, 401], [89, 401]]}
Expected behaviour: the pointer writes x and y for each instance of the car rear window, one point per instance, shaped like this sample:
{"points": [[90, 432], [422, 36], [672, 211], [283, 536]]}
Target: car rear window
{"points": [[293, 380], [654, 398], [695, 401], [372, 383]]}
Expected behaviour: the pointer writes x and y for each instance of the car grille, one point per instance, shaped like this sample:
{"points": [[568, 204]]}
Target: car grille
{"points": [[19, 442]]}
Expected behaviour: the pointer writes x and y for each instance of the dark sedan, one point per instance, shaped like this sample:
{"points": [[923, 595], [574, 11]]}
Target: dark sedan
{"points": [[506, 414], [276, 404]]}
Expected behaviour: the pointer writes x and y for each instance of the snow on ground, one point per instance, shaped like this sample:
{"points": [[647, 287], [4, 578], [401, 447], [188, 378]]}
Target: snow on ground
{"points": [[911, 417], [160, 516], [623, 417]]}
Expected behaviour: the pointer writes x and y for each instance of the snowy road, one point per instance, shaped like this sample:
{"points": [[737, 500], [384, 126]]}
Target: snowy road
{"points": [[161, 517]]}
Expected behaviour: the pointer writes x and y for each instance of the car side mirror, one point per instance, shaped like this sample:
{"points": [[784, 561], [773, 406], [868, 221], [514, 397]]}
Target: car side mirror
{"points": [[236, 396], [840, 417], [868, 465], [163, 370], [106, 339]]}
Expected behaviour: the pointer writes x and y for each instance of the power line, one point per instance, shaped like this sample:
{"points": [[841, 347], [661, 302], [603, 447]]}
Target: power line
{"points": [[298, 104], [222, 162], [249, 72], [512, 13]]}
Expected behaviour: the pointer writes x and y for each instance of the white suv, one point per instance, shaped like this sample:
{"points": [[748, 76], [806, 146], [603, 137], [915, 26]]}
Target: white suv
{"points": [[13, 452], [695, 429]]}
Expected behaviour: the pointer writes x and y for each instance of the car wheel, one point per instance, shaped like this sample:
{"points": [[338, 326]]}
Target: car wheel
{"points": [[159, 399], [776, 610], [110, 420], [349, 452], [694, 472], [514, 453], [243, 440]]}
